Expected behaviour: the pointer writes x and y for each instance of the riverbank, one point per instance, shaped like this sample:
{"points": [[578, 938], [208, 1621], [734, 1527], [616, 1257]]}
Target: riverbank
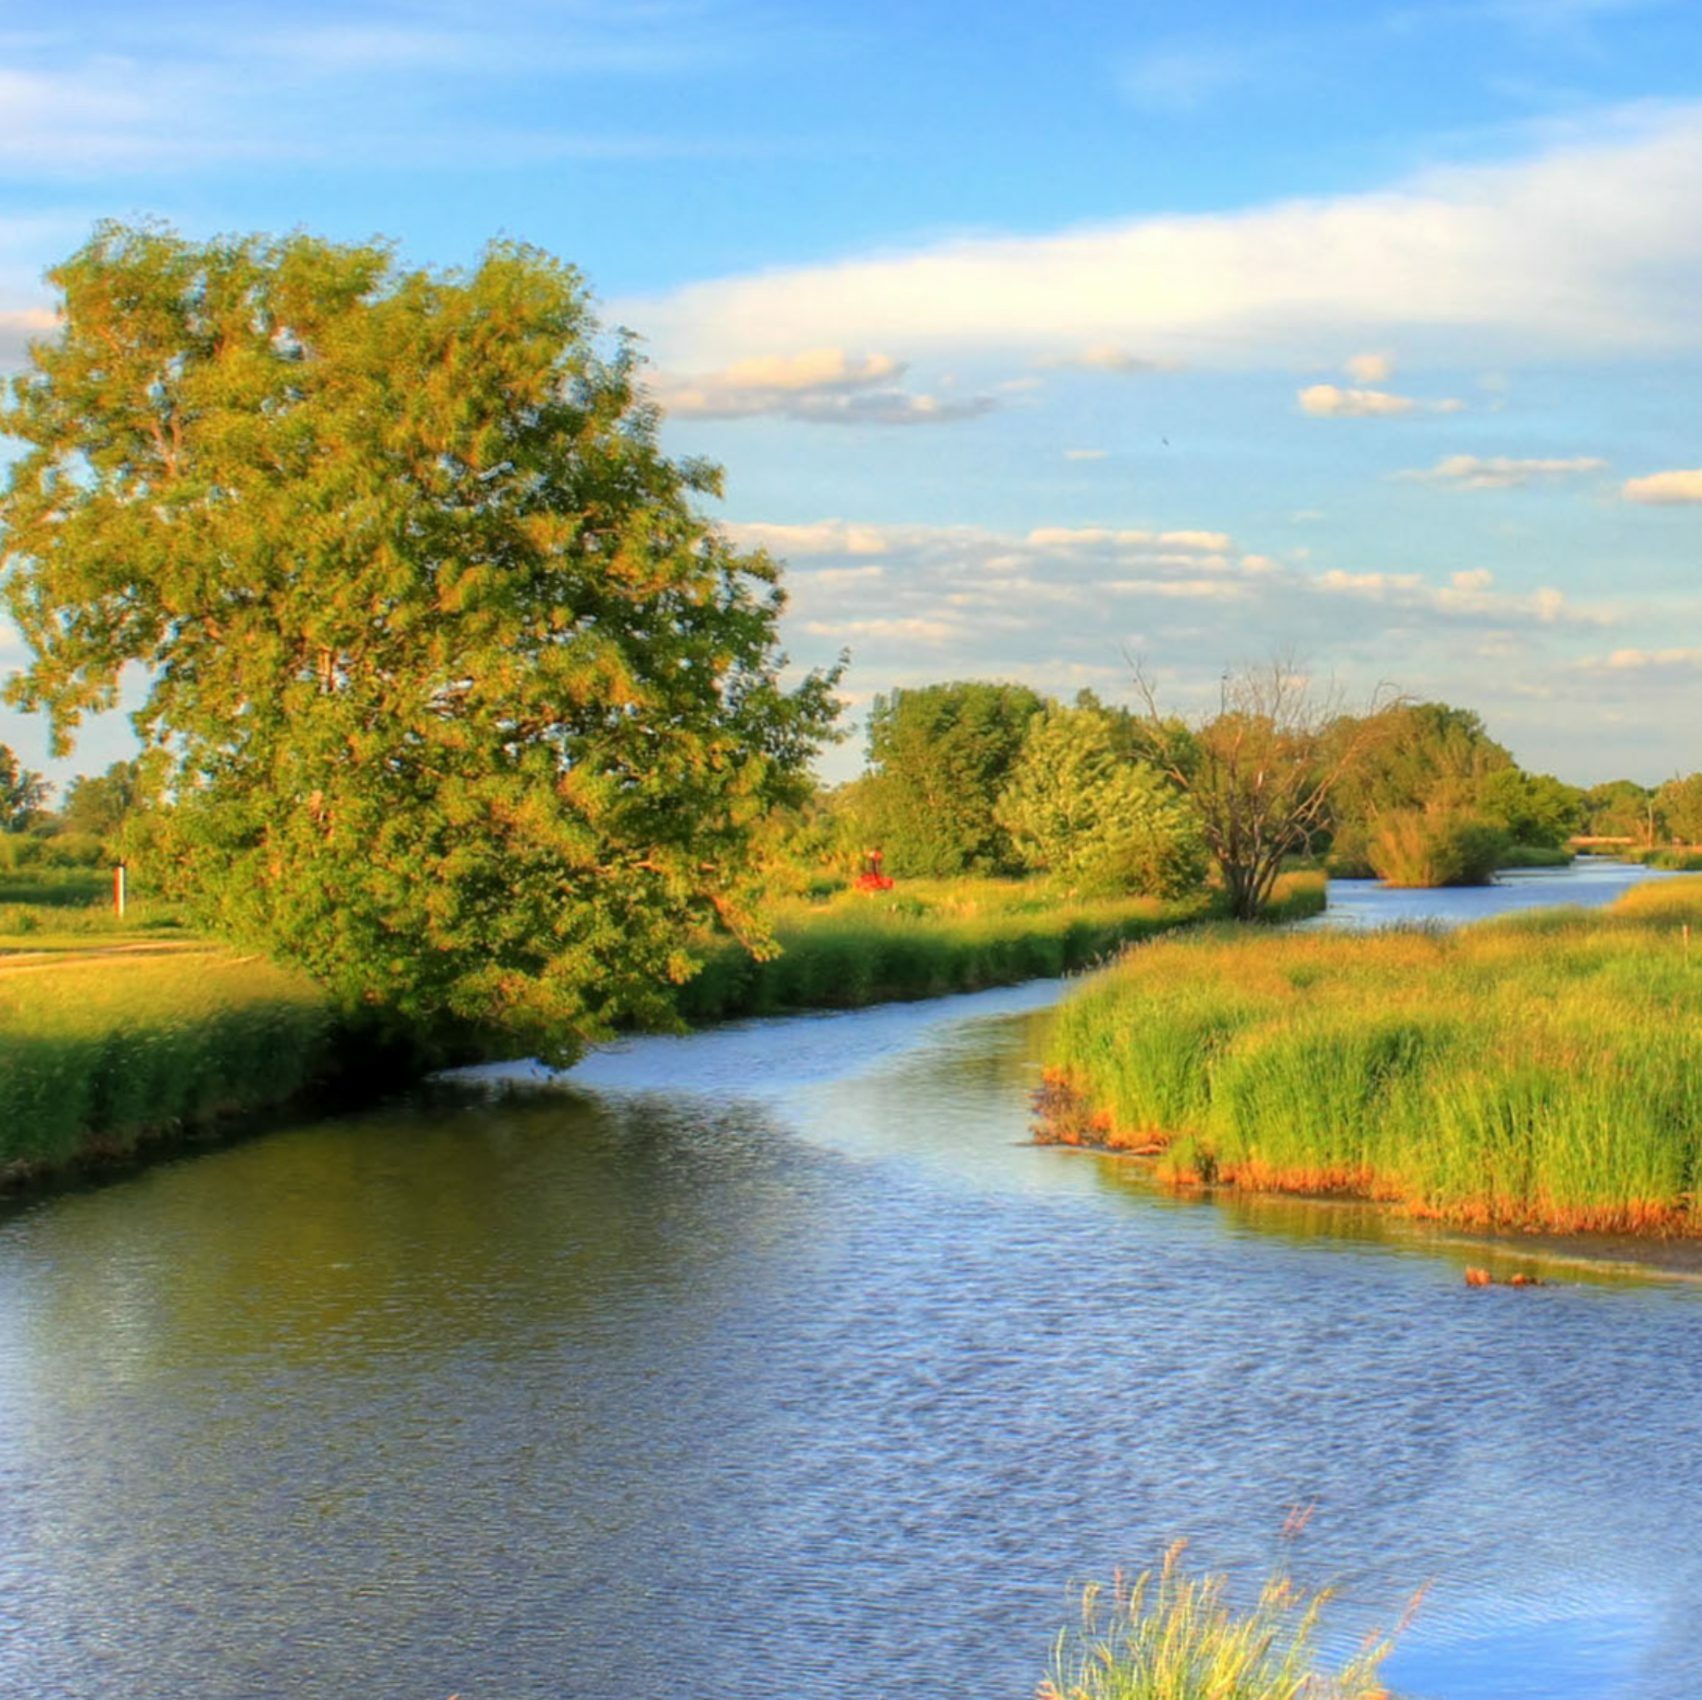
{"points": [[114, 1035], [1542, 1072]]}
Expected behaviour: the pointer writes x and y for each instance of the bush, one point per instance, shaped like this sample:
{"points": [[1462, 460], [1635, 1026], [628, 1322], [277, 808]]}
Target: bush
{"points": [[1417, 847]]}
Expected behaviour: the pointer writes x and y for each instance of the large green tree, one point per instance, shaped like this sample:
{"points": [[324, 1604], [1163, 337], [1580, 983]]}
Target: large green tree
{"points": [[939, 757], [463, 705]]}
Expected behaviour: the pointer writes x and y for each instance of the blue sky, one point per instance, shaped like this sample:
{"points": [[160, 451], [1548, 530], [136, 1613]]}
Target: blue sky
{"points": [[1038, 343]]}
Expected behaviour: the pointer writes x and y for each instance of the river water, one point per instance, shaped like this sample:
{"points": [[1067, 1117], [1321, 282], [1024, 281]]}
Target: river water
{"points": [[774, 1363]]}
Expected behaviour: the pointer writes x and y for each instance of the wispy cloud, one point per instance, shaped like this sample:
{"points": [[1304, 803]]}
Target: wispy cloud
{"points": [[822, 386], [1106, 357], [1500, 472], [1177, 79], [176, 91]]}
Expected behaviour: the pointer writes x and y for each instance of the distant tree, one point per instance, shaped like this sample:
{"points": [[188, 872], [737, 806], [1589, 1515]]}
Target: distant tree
{"points": [[1078, 806], [939, 757], [100, 804], [23, 794], [467, 709], [1622, 808], [1679, 803], [1531, 808], [1261, 771]]}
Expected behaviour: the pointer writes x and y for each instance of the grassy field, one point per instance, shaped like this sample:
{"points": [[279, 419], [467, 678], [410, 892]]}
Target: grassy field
{"points": [[1541, 1071], [929, 937]]}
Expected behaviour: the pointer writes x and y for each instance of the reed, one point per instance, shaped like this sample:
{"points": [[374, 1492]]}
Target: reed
{"points": [[100, 1052], [927, 938], [1541, 1071], [1172, 1636]]}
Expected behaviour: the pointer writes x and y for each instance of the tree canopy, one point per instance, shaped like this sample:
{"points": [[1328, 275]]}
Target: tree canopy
{"points": [[460, 702]]}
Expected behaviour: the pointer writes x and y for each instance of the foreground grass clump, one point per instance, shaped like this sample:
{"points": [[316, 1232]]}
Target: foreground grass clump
{"points": [[1541, 1071], [1174, 1637], [929, 937], [97, 1054]]}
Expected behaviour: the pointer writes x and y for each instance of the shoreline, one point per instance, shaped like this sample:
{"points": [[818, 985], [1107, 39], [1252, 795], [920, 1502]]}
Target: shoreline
{"points": [[1064, 1122]]}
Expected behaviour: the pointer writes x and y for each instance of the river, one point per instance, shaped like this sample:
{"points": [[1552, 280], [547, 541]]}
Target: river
{"points": [[774, 1363]]}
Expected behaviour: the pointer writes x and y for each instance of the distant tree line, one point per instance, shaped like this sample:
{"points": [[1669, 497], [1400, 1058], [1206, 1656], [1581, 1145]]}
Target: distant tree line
{"points": [[975, 777], [87, 827]]}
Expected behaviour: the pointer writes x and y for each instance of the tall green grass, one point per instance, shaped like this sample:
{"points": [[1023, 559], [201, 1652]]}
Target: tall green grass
{"points": [[1541, 1071], [1172, 1636], [929, 937], [102, 1052]]}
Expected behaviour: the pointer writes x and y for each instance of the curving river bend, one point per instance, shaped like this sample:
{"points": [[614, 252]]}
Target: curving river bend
{"points": [[774, 1363]]}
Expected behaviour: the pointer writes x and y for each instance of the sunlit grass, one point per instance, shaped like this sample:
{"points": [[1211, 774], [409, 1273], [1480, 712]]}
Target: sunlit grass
{"points": [[1539, 1071], [929, 937], [1172, 1636]]}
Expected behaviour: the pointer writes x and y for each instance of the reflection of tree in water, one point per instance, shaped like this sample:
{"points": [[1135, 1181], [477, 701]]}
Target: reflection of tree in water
{"points": [[487, 1225]]}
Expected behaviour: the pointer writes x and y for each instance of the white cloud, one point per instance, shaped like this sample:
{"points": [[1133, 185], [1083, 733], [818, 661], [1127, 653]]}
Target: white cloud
{"points": [[821, 386], [1499, 472], [1665, 488], [1085, 454], [1578, 251], [1330, 401], [1370, 368]]}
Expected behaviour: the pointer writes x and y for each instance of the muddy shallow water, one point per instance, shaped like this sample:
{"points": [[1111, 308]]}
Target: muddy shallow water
{"points": [[775, 1362]]}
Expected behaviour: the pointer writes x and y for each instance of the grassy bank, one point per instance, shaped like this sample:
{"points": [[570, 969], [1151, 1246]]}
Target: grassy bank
{"points": [[99, 1051], [930, 937], [1543, 1071]]}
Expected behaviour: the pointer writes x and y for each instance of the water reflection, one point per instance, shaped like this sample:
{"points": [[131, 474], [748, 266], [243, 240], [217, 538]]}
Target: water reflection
{"points": [[777, 1363]]}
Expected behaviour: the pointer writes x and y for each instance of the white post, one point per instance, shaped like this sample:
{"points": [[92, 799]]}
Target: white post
{"points": [[118, 890]]}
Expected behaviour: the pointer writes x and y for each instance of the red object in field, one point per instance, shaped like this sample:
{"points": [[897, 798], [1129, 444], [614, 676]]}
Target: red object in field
{"points": [[871, 878]]}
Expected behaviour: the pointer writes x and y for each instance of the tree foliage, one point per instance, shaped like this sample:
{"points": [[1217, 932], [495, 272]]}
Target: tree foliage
{"points": [[1080, 807], [465, 707], [1530, 808], [939, 757]]}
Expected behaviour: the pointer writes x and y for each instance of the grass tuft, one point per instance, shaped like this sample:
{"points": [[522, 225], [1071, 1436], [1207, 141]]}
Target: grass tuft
{"points": [[1172, 1636]]}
